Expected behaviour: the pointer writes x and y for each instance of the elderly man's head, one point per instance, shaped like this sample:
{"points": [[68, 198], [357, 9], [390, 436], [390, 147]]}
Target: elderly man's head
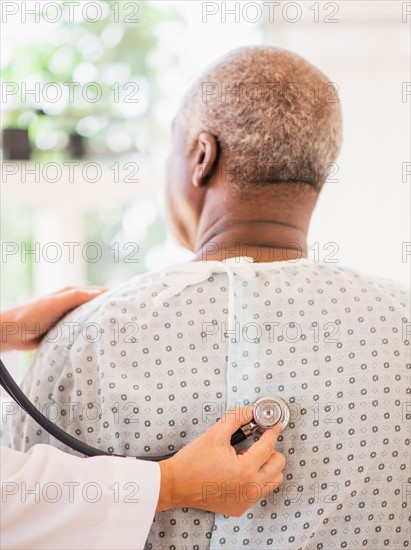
{"points": [[261, 122]]}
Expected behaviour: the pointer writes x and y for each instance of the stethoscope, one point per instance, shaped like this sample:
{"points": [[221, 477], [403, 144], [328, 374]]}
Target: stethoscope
{"points": [[267, 413]]}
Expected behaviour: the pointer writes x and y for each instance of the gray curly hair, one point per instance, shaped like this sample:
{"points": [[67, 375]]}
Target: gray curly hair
{"points": [[277, 118]]}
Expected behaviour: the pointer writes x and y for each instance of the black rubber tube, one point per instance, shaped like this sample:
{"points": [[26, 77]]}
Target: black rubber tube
{"points": [[7, 382]]}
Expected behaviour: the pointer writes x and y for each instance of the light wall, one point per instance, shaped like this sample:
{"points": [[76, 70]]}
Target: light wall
{"points": [[367, 55]]}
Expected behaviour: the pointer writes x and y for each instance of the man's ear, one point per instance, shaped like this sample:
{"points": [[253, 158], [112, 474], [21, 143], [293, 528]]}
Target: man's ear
{"points": [[206, 157]]}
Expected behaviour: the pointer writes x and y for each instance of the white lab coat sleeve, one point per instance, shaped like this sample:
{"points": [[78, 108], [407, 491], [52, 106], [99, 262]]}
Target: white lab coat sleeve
{"points": [[50, 499]]}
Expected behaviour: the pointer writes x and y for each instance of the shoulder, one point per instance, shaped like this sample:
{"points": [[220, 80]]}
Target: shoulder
{"points": [[382, 288]]}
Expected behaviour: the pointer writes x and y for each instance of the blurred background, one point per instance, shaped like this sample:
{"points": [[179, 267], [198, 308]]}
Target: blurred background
{"points": [[88, 95]]}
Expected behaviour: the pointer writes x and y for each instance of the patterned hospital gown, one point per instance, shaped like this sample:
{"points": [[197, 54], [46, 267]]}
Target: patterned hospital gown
{"points": [[149, 367]]}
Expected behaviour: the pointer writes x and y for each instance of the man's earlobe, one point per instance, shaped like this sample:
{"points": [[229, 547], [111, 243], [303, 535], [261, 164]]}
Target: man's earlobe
{"points": [[206, 159], [198, 175]]}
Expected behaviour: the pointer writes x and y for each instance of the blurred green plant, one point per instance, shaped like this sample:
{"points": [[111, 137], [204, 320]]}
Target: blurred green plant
{"points": [[116, 54], [16, 275], [126, 237]]}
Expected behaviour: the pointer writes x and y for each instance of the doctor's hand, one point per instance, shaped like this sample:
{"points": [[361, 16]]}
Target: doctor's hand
{"points": [[23, 327], [209, 475]]}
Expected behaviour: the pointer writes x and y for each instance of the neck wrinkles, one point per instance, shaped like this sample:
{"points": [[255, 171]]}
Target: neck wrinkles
{"points": [[262, 240]]}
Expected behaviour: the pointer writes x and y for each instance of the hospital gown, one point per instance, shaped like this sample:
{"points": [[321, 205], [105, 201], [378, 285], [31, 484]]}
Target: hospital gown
{"points": [[151, 365]]}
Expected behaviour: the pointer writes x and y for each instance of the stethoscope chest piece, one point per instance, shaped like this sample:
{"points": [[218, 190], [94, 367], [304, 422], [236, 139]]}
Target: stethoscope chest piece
{"points": [[269, 411]]}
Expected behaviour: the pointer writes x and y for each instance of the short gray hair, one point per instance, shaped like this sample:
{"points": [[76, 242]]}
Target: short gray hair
{"points": [[277, 118]]}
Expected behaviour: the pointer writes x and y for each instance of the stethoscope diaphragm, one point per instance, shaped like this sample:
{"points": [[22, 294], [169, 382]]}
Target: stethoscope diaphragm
{"points": [[267, 413]]}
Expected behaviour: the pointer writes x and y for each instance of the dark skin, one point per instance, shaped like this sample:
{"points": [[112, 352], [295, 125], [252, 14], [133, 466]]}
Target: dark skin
{"points": [[216, 221]]}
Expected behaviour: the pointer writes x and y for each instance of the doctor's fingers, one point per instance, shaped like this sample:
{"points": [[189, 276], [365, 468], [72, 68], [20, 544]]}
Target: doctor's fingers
{"points": [[271, 471], [232, 419], [78, 292], [80, 289], [73, 297], [261, 451]]}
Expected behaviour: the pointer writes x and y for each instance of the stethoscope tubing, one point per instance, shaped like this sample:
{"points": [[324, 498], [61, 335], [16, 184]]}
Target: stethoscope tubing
{"points": [[8, 383]]}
